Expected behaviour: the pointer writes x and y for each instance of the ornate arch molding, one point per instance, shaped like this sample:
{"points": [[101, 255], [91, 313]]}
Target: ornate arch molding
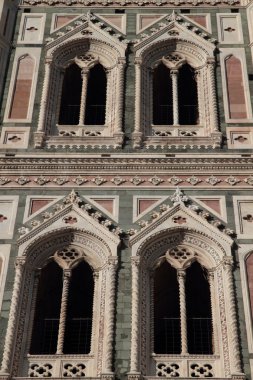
{"points": [[86, 38], [159, 243], [95, 249], [195, 48], [214, 254], [32, 256], [244, 252]]}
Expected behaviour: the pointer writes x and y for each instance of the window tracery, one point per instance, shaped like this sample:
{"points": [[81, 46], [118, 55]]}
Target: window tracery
{"points": [[201, 280], [64, 337], [70, 110], [190, 116]]}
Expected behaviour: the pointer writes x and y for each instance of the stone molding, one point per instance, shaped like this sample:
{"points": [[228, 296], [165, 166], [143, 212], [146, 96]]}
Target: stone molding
{"points": [[132, 2], [215, 255], [86, 35], [175, 37], [100, 252]]}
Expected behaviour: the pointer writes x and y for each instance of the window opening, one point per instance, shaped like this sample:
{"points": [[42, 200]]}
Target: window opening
{"points": [[162, 96], [167, 337], [96, 96], [47, 311], [187, 96], [198, 306], [79, 312], [71, 96]]}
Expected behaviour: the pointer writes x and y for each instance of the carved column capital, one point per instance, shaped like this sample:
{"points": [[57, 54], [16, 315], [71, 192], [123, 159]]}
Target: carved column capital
{"points": [[112, 262], [174, 72], [138, 61]]}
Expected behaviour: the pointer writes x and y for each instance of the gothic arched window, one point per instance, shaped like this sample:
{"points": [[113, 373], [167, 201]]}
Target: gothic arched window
{"points": [[63, 311], [187, 96], [71, 96], [83, 100], [175, 331], [175, 98], [162, 96], [175, 88]]}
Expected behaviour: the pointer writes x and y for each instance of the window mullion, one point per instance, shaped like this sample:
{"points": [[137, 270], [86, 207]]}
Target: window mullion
{"points": [[85, 77], [63, 312], [33, 306], [183, 317], [212, 296], [174, 77]]}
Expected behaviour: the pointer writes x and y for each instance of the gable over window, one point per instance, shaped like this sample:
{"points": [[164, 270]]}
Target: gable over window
{"points": [[175, 87]]}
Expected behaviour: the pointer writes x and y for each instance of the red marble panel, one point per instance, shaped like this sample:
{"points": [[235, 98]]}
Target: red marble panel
{"points": [[63, 20], [213, 204], [37, 204], [235, 89], [144, 204], [201, 20], [106, 204], [22, 89]]}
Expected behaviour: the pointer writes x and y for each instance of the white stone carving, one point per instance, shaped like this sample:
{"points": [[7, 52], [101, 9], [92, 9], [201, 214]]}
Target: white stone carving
{"points": [[175, 43]]}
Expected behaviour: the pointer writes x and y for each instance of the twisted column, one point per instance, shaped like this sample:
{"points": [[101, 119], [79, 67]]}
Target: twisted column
{"points": [[138, 86], [183, 317], [63, 312], [33, 306], [85, 77], [134, 359], [111, 284], [235, 362], [44, 97], [174, 77], [212, 96], [213, 308], [120, 95], [13, 318], [199, 95]]}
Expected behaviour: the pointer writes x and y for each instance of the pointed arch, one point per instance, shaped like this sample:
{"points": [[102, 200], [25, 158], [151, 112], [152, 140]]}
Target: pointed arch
{"points": [[78, 253]]}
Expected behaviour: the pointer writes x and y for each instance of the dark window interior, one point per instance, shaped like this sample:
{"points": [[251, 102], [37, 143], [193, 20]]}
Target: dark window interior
{"points": [[96, 96], [187, 96], [198, 306], [167, 337], [162, 96], [48, 304], [71, 96], [79, 314]]}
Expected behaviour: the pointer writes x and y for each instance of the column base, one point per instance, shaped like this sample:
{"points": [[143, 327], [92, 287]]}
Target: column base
{"points": [[107, 376], [137, 139], [238, 376], [134, 376], [119, 138], [39, 138]]}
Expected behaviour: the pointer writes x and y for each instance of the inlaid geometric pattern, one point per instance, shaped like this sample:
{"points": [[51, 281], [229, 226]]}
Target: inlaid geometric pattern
{"points": [[144, 204], [144, 21], [117, 21], [37, 204]]}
